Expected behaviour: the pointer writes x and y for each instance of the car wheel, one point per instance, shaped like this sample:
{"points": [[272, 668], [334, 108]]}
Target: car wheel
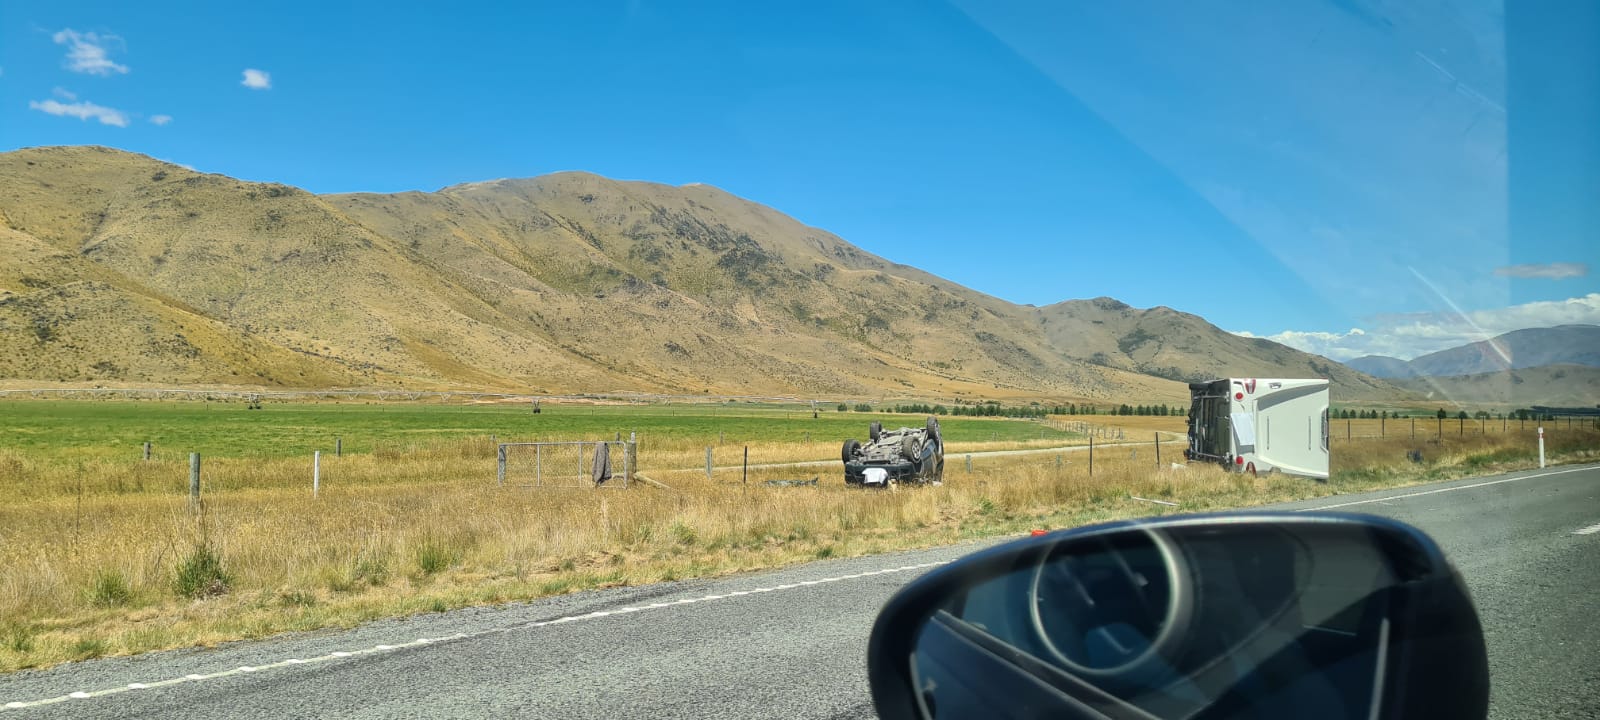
{"points": [[874, 430], [850, 448], [933, 428], [908, 447]]}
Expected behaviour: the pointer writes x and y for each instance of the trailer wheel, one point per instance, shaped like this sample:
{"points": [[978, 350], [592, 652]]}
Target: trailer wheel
{"points": [[874, 430], [850, 448]]}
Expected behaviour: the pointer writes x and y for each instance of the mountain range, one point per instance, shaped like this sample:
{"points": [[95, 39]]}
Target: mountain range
{"points": [[117, 268], [1515, 350]]}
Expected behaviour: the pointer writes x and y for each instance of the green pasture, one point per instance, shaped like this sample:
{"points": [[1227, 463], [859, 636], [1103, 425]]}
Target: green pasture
{"points": [[119, 428]]}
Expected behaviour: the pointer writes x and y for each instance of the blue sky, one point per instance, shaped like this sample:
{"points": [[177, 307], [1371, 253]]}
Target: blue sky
{"points": [[1297, 170]]}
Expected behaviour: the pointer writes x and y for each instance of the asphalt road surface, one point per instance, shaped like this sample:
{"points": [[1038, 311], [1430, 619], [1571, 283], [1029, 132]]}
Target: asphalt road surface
{"points": [[790, 643]]}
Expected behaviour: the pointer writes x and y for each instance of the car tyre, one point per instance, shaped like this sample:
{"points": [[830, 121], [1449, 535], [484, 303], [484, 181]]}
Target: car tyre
{"points": [[850, 448], [874, 430]]}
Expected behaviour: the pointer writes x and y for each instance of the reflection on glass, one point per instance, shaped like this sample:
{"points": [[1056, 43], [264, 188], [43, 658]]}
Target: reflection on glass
{"points": [[1224, 621]]}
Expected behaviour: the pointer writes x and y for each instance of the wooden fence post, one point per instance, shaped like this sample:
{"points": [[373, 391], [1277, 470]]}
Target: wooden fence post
{"points": [[194, 481]]}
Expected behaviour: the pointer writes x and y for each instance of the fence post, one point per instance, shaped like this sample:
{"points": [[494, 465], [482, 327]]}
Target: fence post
{"points": [[746, 465], [1347, 429], [194, 481], [1158, 449], [1383, 422], [147, 451], [316, 472], [500, 473], [338, 447], [969, 464], [1091, 457], [708, 462], [1541, 447], [1461, 425], [631, 463], [1413, 428]]}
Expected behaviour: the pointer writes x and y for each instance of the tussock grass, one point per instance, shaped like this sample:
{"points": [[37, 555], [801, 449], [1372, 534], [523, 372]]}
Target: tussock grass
{"points": [[106, 557]]}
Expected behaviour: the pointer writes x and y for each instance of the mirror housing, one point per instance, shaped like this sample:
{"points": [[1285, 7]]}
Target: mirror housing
{"points": [[1206, 616]]}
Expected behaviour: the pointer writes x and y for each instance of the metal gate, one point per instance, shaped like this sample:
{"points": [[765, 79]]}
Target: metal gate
{"points": [[568, 464]]}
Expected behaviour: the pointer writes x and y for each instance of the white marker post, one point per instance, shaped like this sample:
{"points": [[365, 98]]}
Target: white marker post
{"points": [[1541, 447], [316, 472]]}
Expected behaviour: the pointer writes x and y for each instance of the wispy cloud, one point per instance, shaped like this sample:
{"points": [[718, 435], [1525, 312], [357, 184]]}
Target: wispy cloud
{"points": [[63, 93], [160, 119], [89, 52], [82, 111], [257, 79], [1410, 335], [1547, 271]]}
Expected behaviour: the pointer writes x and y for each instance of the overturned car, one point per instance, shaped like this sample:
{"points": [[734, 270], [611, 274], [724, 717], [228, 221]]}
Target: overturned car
{"points": [[914, 455]]}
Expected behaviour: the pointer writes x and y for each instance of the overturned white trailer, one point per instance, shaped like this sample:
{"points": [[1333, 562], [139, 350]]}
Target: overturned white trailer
{"points": [[1261, 425]]}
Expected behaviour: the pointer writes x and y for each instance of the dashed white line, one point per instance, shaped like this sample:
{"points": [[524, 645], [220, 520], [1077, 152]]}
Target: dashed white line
{"points": [[1444, 490], [339, 654], [1592, 529]]}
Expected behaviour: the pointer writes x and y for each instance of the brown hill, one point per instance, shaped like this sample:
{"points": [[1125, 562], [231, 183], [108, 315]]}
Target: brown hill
{"points": [[1166, 343], [117, 267]]}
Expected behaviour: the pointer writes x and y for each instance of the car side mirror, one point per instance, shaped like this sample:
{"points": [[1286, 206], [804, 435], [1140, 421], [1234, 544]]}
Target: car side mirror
{"points": [[1221, 616]]}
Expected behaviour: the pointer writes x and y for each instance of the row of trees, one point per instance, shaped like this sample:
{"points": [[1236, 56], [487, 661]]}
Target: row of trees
{"points": [[1347, 414]]}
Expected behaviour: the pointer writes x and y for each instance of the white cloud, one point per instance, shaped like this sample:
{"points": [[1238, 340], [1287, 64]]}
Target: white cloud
{"points": [[257, 79], [1548, 271], [81, 111], [160, 119], [64, 94], [87, 52], [1410, 335]]}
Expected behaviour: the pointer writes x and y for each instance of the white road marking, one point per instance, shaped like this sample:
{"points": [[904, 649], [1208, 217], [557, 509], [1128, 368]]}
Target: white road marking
{"points": [[1445, 490], [1592, 529], [192, 677]]}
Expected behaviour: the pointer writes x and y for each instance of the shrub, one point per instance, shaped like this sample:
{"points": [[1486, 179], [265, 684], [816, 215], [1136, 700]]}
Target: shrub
{"points": [[433, 557], [201, 574], [110, 589]]}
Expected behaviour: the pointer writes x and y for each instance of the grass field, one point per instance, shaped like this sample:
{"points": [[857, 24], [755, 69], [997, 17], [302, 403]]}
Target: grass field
{"points": [[77, 430], [101, 554]]}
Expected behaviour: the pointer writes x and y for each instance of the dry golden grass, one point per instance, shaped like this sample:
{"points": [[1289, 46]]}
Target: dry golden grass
{"points": [[90, 552]]}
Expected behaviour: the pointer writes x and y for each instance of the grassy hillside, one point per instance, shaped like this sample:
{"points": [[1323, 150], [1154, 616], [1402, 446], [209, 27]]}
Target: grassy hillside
{"points": [[119, 268]]}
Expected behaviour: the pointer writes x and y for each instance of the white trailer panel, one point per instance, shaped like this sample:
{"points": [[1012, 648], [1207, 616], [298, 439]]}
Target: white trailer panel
{"points": [[1261, 425]]}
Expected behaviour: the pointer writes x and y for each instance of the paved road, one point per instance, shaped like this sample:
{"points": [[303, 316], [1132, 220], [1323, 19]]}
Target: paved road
{"points": [[789, 643]]}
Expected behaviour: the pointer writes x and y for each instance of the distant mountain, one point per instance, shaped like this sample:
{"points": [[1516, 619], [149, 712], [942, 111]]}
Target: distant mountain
{"points": [[1554, 385], [1382, 366], [118, 268], [1515, 350], [1167, 343]]}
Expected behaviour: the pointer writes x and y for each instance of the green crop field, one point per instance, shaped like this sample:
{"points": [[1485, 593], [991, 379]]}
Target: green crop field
{"points": [[84, 429]]}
